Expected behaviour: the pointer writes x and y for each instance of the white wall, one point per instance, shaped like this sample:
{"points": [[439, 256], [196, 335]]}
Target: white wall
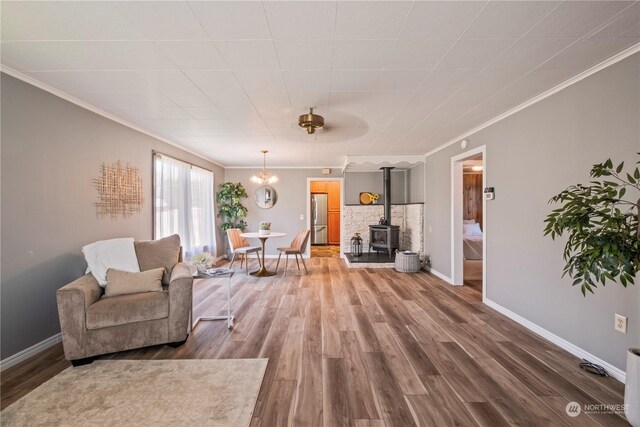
{"points": [[532, 156]]}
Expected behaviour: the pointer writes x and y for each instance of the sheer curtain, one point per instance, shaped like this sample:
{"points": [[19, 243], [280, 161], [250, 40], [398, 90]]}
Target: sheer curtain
{"points": [[184, 204]]}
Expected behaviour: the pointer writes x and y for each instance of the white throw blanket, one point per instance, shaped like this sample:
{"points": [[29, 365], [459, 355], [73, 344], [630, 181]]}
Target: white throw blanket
{"points": [[114, 253]]}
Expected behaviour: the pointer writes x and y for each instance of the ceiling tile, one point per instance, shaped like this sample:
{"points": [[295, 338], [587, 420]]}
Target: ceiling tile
{"points": [[370, 20], [588, 52], [58, 55], [225, 20], [88, 81], [304, 54], [220, 86], [163, 20], [508, 19], [177, 87], [164, 113], [301, 20], [401, 79], [205, 113], [425, 54], [249, 54], [307, 80], [260, 81], [152, 99], [193, 54], [137, 55], [361, 54], [22, 20], [301, 101], [446, 79], [440, 19], [474, 53], [353, 80], [577, 18], [627, 24], [528, 53]]}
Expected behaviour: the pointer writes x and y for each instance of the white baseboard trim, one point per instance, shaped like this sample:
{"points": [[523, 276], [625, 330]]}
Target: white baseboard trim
{"points": [[616, 373], [29, 352], [440, 275]]}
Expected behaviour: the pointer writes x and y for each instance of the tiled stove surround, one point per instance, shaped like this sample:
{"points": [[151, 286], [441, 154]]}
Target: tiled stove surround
{"points": [[410, 218]]}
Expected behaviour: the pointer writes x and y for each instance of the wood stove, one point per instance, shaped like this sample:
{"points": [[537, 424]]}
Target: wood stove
{"points": [[384, 238]]}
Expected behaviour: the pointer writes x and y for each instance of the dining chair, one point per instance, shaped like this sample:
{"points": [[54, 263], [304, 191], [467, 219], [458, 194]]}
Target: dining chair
{"points": [[241, 247], [298, 247]]}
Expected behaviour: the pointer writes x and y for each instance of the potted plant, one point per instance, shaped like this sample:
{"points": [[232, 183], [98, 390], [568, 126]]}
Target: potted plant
{"points": [[230, 207], [603, 244], [264, 228]]}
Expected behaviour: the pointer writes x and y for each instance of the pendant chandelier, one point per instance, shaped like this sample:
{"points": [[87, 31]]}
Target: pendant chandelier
{"points": [[264, 176]]}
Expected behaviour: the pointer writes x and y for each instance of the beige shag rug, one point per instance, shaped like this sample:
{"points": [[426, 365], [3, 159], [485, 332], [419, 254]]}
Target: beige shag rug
{"points": [[144, 393]]}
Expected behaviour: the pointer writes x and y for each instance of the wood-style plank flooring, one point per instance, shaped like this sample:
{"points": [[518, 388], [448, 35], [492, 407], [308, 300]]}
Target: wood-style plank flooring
{"points": [[367, 347]]}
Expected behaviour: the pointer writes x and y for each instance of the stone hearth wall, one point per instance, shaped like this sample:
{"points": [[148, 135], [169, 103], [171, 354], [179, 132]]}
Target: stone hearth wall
{"points": [[410, 218]]}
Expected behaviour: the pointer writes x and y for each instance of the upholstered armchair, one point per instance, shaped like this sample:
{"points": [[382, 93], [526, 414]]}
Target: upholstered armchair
{"points": [[92, 325]]}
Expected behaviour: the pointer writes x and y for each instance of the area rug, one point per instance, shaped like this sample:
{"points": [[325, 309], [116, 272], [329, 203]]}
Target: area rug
{"points": [[144, 393]]}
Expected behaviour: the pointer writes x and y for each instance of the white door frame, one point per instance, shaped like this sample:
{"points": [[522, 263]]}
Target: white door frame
{"points": [[341, 180], [457, 254]]}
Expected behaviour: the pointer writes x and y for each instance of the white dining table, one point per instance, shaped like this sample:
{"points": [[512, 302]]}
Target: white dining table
{"points": [[262, 272]]}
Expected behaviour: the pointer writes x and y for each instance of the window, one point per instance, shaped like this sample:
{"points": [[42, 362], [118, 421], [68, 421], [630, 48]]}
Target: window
{"points": [[184, 204]]}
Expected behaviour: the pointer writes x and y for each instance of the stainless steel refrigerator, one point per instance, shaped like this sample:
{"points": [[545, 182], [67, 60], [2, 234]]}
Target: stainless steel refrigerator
{"points": [[319, 228]]}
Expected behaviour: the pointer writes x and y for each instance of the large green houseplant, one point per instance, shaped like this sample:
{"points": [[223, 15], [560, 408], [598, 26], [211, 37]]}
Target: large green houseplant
{"points": [[602, 227], [230, 207]]}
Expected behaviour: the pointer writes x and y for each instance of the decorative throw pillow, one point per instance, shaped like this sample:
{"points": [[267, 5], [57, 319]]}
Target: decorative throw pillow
{"points": [[113, 253], [123, 282], [159, 253]]}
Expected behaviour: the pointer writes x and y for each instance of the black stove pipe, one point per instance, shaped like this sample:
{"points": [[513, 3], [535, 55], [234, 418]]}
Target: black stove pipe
{"points": [[386, 176]]}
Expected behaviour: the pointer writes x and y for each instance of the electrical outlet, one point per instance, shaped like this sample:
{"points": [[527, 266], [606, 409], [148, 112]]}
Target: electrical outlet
{"points": [[301, 217], [620, 324], [429, 229]]}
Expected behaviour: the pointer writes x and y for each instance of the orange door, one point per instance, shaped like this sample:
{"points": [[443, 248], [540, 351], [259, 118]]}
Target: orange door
{"points": [[334, 228]]}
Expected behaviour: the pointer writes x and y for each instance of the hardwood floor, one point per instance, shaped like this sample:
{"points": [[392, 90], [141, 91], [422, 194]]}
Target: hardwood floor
{"points": [[374, 348]]}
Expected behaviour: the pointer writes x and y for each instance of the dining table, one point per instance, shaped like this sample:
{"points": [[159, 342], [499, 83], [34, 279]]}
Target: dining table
{"points": [[262, 272]]}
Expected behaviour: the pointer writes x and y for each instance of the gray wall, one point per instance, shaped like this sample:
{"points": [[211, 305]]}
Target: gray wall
{"points": [[292, 201], [358, 182], [415, 184], [532, 156], [51, 151]]}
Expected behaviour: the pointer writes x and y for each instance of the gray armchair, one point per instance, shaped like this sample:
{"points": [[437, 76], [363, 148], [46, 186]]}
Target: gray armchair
{"points": [[92, 325]]}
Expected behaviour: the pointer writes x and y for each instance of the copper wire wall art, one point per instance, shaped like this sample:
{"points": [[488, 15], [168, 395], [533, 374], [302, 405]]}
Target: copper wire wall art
{"points": [[119, 191]]}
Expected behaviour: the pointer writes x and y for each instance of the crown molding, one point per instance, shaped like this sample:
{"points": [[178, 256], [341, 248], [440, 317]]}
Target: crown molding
{"points": [[60, 94], [283, 167], [573, 80]]}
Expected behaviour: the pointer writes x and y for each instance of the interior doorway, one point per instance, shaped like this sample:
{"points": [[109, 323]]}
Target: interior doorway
{"points": [[468, 216], [325, 216]]}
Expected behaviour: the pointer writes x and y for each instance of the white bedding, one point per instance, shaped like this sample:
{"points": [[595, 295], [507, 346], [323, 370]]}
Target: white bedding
{"points": [[472, 246]]}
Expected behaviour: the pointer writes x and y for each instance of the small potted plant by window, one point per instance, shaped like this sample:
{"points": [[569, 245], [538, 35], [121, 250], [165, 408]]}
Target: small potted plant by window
{"points": [[264, 228]]}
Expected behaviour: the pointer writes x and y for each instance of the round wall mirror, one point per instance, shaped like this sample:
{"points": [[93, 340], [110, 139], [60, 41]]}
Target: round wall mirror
{"points": [[265, 197]]}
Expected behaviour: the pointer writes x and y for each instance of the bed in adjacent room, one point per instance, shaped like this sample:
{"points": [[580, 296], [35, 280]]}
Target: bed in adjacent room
{"points": [[472, 240]]}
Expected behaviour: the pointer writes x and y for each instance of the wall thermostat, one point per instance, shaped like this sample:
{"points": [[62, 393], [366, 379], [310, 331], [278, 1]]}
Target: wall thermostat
{"points": [[489, 193]]}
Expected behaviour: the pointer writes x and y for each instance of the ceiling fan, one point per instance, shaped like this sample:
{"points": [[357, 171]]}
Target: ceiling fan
{"points": [[311, 122]]}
